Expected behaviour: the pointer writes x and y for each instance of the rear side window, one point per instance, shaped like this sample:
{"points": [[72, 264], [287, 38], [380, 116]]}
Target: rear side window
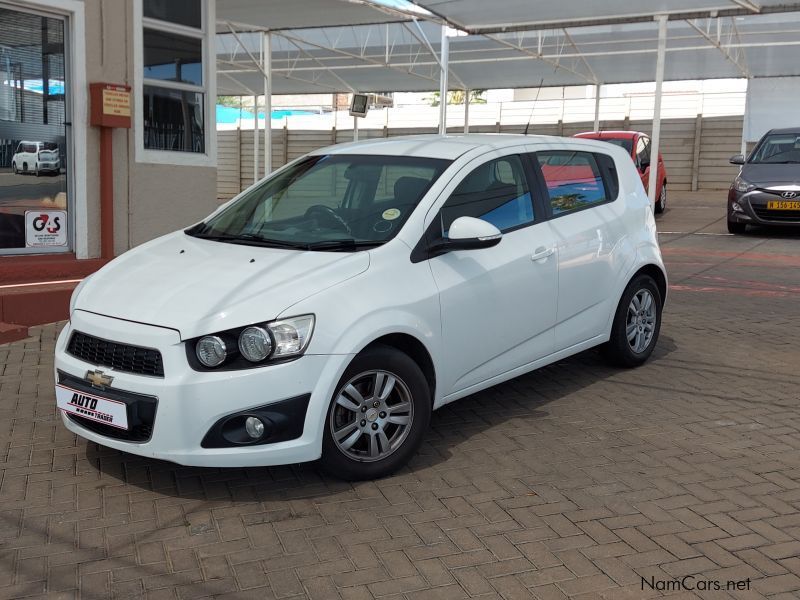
{"points": [[496, 191], [577, 180]]}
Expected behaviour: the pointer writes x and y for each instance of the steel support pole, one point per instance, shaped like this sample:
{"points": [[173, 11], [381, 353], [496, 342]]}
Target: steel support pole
{"points": [[466, 110], [597, 107], [444, 57], [652, 183], [744, 118], [267, 68], [255, 139]]}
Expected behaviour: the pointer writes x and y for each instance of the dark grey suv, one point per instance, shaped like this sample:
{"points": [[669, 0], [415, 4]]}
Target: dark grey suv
{"points": [[767, 189]]}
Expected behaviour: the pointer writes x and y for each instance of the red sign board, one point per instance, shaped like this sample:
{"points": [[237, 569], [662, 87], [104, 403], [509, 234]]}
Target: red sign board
{"points": [[110, 105]]}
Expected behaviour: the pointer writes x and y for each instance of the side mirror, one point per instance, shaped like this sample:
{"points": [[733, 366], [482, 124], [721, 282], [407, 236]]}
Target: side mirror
{"points": [[737, 159], [467, 233]]}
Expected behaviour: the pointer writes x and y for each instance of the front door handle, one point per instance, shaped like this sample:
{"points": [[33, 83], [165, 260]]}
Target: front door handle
{"points": [[542, 252]]}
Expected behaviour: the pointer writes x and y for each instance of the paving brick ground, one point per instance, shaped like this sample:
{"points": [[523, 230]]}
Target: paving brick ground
{"points": [[577, 481]]}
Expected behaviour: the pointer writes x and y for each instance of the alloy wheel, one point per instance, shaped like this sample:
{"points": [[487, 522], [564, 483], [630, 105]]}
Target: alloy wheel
{"points": [[372, 416], [641, 321]]}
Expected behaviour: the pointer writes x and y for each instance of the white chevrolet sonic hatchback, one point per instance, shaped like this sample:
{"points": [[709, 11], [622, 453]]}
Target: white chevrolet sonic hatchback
{"points": [[328, 309]]}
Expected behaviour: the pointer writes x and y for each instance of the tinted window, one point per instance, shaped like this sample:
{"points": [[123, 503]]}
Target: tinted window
{"points": [[495, 192], [643, 151], [171, 57], [181, 12], [574, 179], [625, 143]]}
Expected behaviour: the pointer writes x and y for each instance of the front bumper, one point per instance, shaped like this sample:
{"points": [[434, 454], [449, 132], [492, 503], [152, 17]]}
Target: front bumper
{"points": [[754, 209], [189, 403]]}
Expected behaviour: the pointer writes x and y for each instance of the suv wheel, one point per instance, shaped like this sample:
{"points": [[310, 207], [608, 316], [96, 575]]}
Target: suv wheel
{"points": [[378, 416], [637, 322], [734, 227], [14, 168]]}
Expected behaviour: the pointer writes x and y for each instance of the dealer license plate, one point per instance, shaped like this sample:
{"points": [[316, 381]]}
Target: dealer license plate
{"points": [[92, 407], [783, 205]]}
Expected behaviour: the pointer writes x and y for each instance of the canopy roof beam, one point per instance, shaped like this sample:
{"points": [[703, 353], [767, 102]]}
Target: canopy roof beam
{"points": [[423, 39], [362, 57], [555, 61], [717, 43], [724, 10]]}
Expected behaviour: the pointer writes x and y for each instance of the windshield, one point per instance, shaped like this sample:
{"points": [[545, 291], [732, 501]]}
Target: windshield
{"points": [[327, 202], [622, 143], [777, 148]]}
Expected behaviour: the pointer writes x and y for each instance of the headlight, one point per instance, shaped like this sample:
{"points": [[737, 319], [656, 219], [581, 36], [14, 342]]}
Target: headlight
{"points": [[252, 346], [255, 344], [211, 351], [291, 335], [740, 185]]}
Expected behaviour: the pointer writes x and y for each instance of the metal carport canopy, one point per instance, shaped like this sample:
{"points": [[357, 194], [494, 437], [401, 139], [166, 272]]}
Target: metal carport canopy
{"points": [[403, 56], [479, 16]]}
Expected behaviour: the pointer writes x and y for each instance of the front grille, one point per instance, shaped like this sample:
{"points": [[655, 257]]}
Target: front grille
{"points": [[120, 357], [141, 411], [787, 216]]}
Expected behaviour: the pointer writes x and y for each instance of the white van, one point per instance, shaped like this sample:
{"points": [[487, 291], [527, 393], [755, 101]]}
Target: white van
{"points": [[36, 158]]}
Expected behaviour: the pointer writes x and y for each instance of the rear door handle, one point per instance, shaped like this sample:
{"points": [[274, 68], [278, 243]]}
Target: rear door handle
{"points": [[542, 252]]}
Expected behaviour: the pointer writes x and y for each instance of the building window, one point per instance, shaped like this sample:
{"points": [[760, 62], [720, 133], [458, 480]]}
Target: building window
{"points": [[175, 78]]}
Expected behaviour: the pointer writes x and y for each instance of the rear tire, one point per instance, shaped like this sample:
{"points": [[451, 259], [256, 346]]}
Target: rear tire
{"points": [[637, 323], [378, 416], [736, 228], [661, 203], [14, 168]]}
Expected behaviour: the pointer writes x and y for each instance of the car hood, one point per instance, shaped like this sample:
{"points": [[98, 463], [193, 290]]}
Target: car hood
{"points": [[201, 286], [767, 175]]}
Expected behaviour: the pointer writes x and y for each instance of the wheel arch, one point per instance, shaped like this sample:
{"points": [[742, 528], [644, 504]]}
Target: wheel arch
{"points": [[658, 276], [415, 349]]}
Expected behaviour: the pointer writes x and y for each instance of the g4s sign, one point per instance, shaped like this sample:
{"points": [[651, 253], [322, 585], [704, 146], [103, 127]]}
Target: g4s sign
{"points": [[44, 228]]}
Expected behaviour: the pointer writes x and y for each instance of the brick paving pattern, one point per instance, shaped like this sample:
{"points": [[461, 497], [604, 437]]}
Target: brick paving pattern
{"points": [[577, 481]]}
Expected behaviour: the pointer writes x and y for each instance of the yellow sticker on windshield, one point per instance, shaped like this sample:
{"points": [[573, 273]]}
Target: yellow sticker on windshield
{"points": [[390, 214]]}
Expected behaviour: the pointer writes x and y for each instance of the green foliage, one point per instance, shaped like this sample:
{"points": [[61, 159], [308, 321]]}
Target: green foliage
{"points": [[458, 96]]}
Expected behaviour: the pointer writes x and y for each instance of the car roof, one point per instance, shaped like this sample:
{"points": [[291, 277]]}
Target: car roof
{"points": [[438, 146], [794, 130], [616, 135]]}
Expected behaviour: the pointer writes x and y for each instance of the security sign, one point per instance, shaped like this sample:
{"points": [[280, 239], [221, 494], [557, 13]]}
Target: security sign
{"points": [[45, 228]]}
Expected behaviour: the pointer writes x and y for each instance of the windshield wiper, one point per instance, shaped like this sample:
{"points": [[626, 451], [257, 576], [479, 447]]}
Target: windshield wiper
{"points": [[345, 244], [248, 239]]}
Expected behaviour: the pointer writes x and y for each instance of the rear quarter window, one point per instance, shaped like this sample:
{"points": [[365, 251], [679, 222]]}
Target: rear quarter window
{"points": [[577, 180]]}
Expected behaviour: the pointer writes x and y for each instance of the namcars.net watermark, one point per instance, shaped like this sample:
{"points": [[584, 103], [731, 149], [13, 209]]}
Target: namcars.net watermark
{"points": [[692, 583]]}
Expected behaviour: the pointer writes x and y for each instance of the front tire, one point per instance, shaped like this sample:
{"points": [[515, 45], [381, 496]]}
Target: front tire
{"points": [[736, 228], [637, 323], [14, 168], [661, 203], [378, 416]]}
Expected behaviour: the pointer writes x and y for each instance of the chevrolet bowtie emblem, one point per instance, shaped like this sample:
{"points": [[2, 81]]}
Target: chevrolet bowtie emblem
{"points": [[98, 379]]}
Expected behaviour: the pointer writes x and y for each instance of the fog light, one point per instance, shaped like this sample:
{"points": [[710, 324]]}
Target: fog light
{"points": [[254, 427], [737, 207]]}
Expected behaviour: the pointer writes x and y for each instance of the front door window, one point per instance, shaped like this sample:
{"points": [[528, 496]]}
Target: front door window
{"points": [[33, 149]]}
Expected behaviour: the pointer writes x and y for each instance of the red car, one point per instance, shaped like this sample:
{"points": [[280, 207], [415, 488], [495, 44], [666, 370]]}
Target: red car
{"points": [[637, 144]]}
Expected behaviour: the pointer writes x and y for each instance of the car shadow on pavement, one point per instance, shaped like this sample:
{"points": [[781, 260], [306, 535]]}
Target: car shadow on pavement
{"points": [[480, 431]]}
